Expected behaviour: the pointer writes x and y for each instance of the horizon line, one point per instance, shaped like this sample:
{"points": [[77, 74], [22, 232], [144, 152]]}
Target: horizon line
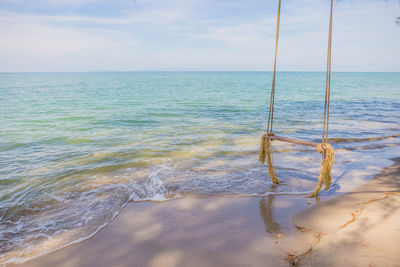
{"points": [[122, 71]]}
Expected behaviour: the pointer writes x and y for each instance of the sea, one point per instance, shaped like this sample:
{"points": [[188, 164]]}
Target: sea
{"points": [[75, 148]]}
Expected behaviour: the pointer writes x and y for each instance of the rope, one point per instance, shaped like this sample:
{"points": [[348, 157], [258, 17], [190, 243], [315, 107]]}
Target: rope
{"points": [[328, 154], [328, 81], [272, 98]]}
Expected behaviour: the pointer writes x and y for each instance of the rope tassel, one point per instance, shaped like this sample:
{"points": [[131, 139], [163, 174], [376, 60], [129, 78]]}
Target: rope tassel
{"points": [[265, 154], [328, 157], [328, 154]]}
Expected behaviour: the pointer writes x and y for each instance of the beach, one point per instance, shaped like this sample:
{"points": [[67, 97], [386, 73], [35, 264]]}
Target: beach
{"points": [[199, 133], [172, 158], [358, 228]]}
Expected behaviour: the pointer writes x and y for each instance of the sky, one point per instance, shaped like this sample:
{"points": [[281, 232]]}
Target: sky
{"points": [[191, 35]]}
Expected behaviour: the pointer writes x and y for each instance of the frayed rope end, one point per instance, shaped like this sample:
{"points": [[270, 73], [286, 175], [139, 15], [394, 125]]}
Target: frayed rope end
{"points": [[265, 154], [262, 152], [328, 158]]}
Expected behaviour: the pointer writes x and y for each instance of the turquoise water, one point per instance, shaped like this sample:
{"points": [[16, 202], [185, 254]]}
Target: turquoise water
{"points": [[76, 147]]}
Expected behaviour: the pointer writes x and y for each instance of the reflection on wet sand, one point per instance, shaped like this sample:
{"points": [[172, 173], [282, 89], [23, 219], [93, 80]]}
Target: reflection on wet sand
{"points": [[266, 213]]}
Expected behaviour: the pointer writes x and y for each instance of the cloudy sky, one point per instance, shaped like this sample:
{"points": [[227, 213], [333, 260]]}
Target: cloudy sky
{"points": [[124, 35]]}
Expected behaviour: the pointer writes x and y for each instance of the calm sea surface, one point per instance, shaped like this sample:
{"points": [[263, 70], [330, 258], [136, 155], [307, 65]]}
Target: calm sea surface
{"points": [[76, 147]]}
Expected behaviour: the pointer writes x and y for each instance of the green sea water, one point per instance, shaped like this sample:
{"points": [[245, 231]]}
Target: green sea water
{"points": [[76, 147]]}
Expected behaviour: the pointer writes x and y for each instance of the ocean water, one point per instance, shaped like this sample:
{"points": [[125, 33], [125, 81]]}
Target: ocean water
{"points": [[76, 147]]}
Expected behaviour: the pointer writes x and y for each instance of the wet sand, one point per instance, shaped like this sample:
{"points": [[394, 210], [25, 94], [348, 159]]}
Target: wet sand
{"points": [[360, 228]]}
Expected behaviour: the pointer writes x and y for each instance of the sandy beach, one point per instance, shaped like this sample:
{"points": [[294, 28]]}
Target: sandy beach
{"points": [[356, 229], [199, 133], [178, 182]]}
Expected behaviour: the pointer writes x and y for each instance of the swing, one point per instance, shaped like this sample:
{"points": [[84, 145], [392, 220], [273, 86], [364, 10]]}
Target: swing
{"points": [[328, 154]]}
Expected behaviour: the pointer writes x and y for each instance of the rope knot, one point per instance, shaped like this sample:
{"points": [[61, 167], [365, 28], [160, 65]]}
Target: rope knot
{"points": [[328, 157], [265, 154]]}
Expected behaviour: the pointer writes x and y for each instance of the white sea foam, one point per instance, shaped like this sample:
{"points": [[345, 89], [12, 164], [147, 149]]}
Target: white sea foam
{"points": [[62, 182], [75, 216]]}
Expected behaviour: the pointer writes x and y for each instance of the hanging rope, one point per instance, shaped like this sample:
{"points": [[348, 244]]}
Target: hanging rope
{"points": [[328, 154], [272, 98], [265, 146], [328, 81], [265, 154]]}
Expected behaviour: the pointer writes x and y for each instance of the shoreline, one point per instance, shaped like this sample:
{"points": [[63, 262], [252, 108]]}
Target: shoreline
{"points": [[360, 228], [278, 230]]}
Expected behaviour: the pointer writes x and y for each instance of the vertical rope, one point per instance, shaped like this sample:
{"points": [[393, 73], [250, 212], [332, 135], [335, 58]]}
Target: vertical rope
{"points": [[272, 98], [328, 81], [328, 154], [265, 146]]}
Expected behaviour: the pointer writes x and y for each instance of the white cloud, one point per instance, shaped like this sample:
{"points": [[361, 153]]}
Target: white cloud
{"points": [[32, 44], [184, 35]]}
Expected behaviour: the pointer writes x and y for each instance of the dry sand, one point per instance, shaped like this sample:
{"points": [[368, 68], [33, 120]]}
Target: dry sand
{"points": [[361, 228]]}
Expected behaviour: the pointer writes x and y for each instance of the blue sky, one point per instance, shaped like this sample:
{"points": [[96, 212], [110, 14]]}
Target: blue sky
{"points": [[124, 35]]}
